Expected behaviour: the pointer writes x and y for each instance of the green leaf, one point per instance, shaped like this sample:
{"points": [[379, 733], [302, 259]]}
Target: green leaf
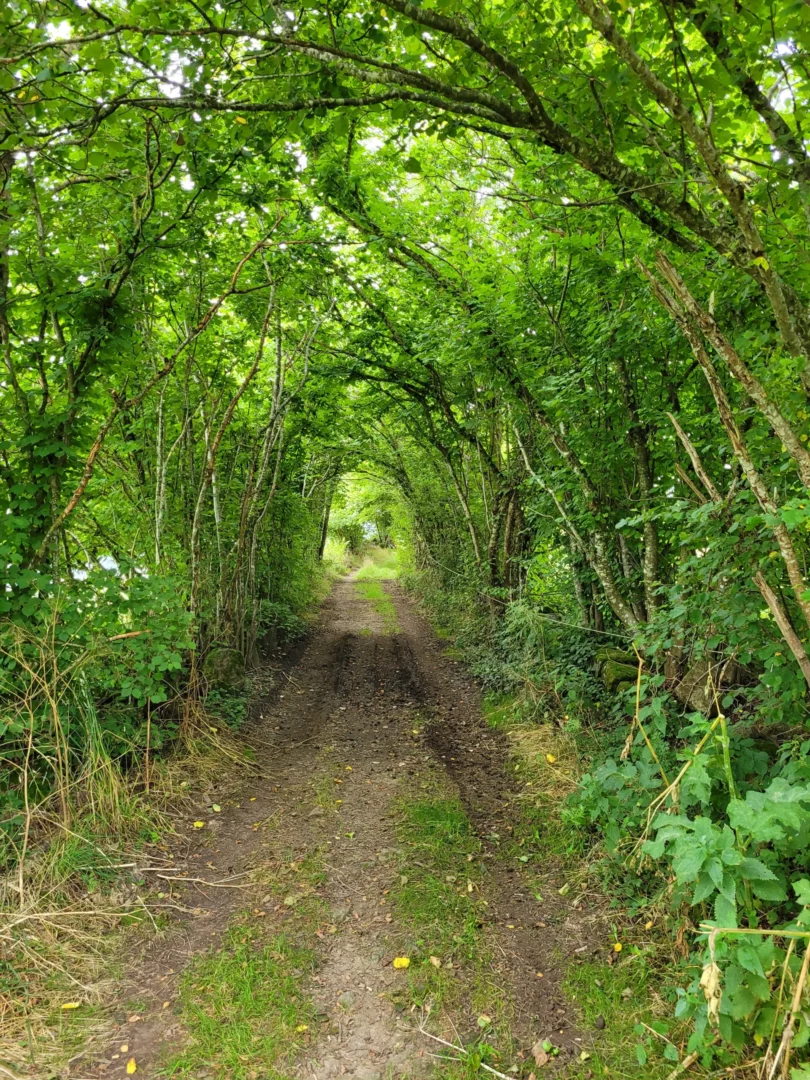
{"points": [[743, 1003], [774, 891], [687, 864], [725, 911], [755, 870], [654, 848], [748, 957], [704, 889]]}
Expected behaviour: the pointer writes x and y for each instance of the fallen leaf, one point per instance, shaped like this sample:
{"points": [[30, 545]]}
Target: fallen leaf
{"points": [[539, 1054], [199, 824], [216, 808], [71, 1005], [550, 759], [435, 961], [402, 961], [584, 1055], [484, 1020], [124, 1047], [302, 1027], [131, 1067], [133, 1019]]}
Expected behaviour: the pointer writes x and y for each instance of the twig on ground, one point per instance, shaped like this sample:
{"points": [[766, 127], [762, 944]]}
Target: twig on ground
{"points": [[233, 877], [180, 907], [130, 866], [148, 912], [687, 1062], [463, 1052], [202, 881], [43, 916]]}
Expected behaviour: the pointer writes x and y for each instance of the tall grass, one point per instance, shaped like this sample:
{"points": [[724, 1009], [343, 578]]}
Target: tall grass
{"points": [[379, 564]]}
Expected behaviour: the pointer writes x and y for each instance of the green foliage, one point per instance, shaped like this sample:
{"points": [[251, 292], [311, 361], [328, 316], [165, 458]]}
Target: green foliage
{"points": [[380, 564], [230, 707], [244, 1007], [281, 618], [620, 996], [460, 315]]}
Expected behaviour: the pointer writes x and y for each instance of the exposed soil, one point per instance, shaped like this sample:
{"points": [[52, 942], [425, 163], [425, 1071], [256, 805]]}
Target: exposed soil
{"points": [[341, 714]]}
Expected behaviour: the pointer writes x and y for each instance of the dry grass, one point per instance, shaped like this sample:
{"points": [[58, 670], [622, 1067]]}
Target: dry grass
{"points": [[549, 757], [86, 897]]}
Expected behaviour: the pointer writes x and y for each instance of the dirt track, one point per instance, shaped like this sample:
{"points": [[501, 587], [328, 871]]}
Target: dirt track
{"points": [[352, 696]]}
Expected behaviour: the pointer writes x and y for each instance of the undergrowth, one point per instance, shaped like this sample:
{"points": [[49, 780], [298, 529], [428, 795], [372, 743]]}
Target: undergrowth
{"points": [[379, 564]]}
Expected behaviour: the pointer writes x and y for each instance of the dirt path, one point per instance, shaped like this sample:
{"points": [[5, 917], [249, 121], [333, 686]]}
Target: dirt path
{"points": [[363, 719]]}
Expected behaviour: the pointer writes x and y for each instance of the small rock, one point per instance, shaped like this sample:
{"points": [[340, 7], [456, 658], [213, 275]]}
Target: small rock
{"points": [[599, 1023]]}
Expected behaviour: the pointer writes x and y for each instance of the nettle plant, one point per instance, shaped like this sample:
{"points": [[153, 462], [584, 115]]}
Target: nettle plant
{"points": [[723, 826], [738, 859]]}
